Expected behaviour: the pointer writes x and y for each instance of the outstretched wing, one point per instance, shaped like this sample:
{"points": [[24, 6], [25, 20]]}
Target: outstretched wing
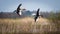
{"points": [[37, 14], [18, 9]]}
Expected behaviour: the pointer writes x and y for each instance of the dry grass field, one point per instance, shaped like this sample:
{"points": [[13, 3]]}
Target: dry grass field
{"points": [[27, 26]]}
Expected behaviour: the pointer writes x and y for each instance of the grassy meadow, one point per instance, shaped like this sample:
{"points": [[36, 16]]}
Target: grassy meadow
{"points": [[27, 26]]}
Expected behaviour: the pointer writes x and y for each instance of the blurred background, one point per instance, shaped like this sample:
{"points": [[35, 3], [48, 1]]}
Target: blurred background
{"points": [[11, 23]]}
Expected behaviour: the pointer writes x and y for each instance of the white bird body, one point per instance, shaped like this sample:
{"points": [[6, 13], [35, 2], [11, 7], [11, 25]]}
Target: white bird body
{"points": [[20, 13]]}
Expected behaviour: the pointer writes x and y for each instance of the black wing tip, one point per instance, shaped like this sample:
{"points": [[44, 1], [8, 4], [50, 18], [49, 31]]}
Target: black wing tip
{"points": [[20, 4], [38, 8]]}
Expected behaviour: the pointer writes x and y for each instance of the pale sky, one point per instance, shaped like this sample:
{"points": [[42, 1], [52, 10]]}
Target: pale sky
{"points": [[44, 5]]}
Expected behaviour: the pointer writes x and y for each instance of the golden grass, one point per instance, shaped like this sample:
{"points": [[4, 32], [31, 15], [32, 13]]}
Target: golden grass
{"points": [[24, 25]]}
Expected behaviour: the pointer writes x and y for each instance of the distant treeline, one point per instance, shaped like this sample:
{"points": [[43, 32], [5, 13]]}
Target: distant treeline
{"points": [[24, 14], [50, 15], [54, 16]]}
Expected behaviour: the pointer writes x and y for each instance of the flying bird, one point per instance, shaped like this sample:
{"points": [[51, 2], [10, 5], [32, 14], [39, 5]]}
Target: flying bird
{"points": [[18, 9], [37, 14]]}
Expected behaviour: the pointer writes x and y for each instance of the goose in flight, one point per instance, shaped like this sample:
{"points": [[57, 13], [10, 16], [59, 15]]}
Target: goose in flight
{"points": [[18, 9], [37, 15]]}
